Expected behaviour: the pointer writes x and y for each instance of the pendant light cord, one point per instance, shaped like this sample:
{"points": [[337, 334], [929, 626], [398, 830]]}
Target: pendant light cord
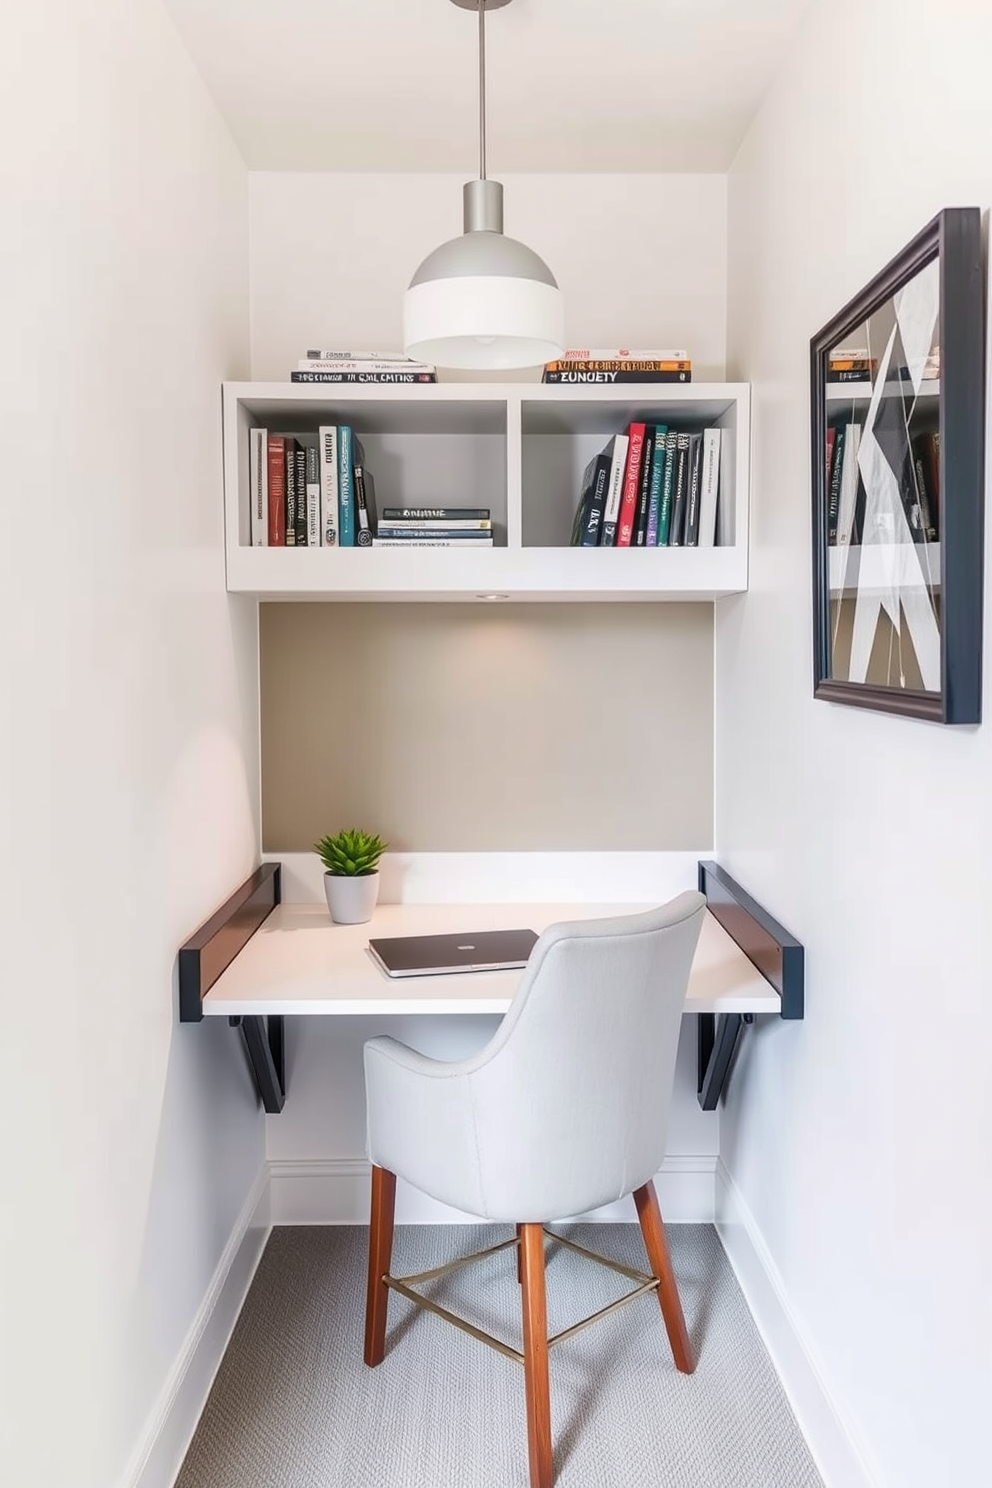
{"points": [[482, 90]]}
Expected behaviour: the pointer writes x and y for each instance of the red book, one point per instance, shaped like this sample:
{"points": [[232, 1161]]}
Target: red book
{"points": [[631, 486], [277, 490], [831, 436]]}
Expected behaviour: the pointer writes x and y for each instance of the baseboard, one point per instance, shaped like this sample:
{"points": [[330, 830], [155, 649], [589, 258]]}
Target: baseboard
{"points": [[156, 1461], [841, 1461], [336, 1191]]}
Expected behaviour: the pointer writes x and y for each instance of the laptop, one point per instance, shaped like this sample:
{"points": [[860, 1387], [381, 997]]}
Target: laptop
{"points": [[466, 950]]}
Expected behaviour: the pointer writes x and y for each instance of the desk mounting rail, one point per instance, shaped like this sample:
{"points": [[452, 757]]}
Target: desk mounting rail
{"points": [[771, 950], [209, 952]]}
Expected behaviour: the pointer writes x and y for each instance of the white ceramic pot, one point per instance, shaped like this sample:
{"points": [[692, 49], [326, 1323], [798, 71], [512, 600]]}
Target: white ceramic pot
{"points": [[350, 901]]}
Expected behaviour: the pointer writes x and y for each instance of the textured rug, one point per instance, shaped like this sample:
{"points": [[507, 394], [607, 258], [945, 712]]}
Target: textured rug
{"points": [[293, 1406]]}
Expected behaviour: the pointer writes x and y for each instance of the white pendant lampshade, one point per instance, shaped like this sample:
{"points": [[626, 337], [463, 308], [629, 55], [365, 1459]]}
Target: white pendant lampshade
{"points": [[483, 300]]}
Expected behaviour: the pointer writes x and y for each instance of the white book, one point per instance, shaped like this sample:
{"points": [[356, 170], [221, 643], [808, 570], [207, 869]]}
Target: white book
{"points": [[314, 533], [709, 488], [848, 484], [357, 356], [614, 489], [258, 478], [327, 449], [624, 354], [364, 366]]}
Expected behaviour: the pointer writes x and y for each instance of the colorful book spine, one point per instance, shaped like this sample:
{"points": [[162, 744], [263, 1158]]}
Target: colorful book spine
{"points": [[667, 490], [258, 469], [289, 465], [301, 495], [640, 537], [327, 439], [276, 451], [613, 378], [658, 463], [323, 377], [346, 489], [430, 524], [833, 486], [653, 365], [631, 486]]}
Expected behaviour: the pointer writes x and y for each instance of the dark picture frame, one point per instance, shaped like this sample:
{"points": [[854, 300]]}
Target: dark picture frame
{"points": [[897, 596]]}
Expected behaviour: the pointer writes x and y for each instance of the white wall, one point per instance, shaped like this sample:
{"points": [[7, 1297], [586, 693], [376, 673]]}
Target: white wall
{"points": [[641, 259], [859, 1139], [128, 753]]}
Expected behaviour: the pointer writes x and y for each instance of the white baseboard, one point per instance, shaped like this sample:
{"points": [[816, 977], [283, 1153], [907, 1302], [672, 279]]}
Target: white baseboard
{"points": [[156, 1461], [336, 1191], [841, 1461]]}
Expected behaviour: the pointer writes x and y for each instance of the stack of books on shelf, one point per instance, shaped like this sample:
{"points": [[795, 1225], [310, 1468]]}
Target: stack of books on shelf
{"points": [[854, 364], [653, 486], [310, 490], [361, 366], [919, 488], [619, 365], [435, 527]]}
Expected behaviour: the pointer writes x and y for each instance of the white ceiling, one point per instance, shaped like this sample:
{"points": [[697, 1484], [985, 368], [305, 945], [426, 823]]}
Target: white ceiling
{"points": [[573, 85]]}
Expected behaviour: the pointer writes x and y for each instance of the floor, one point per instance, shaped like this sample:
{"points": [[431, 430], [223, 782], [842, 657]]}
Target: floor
{"points": [[293, 1406]]}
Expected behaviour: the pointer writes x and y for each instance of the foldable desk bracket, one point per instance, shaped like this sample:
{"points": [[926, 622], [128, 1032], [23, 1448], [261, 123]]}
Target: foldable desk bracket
{"points": [[210, 951], [771, 950]]}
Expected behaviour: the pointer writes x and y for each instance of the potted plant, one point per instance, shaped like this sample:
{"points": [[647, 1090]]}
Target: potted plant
{"points": [[351, 874]]}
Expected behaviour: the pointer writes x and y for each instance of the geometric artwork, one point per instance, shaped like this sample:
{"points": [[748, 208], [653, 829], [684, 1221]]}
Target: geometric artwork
{"points": [[892, 502]]}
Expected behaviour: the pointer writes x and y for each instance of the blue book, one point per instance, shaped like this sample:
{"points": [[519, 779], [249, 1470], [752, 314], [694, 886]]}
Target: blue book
{"points": [[657, 480], [346, 489]]}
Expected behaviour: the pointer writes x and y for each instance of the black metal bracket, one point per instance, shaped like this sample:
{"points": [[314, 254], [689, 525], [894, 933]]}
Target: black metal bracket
{"points": [[771, 950], [209, 952]]}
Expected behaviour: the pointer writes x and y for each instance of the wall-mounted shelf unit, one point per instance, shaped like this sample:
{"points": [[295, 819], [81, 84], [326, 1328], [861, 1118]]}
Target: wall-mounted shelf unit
{"points": [[518, 449]]}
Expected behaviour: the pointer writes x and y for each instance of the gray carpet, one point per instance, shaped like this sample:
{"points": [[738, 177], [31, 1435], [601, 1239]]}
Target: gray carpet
{"points": [[293, 1406]]}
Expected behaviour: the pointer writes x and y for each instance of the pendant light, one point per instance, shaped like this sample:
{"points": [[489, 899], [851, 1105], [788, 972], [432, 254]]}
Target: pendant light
{"points": [[483, 300]]}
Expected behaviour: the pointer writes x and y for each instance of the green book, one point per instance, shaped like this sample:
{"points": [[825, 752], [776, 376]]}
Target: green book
{"points": [[658, 462], [665, 506]]}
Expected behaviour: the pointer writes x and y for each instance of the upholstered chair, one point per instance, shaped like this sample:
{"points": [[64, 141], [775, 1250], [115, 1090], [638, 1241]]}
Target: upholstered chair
{"points": [[564, 1110]]}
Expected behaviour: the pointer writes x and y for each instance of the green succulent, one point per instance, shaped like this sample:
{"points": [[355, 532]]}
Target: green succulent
{"points": [[351, 853]]}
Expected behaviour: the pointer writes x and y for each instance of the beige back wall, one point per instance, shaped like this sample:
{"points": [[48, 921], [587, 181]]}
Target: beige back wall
{"points": [[455, 727]]}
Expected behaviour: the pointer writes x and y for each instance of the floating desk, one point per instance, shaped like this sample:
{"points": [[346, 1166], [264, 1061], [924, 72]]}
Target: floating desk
{"points": [[257, 961]]}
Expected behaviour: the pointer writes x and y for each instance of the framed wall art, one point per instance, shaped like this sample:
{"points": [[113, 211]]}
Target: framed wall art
{"points": [[897, 426]]}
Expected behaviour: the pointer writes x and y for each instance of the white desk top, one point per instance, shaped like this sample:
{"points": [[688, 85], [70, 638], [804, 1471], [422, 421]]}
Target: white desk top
{"points": [[298, 962]]}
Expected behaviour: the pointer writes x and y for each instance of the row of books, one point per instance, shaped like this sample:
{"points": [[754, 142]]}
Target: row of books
{"points": [[919, 488], [361, 366], [652, 486], [310, 490], [619, 365], [855, 364]]}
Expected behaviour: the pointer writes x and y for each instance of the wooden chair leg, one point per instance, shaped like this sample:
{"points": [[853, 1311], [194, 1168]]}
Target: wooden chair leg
{"points": [[656, 1245], [520, 1233], [380, 1251], [536, 1355]]}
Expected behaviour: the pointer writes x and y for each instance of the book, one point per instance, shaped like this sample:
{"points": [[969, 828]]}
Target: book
{"points": [[362, 377], [327, 438], [357, 356], [431, 524], [258, 481], [926, 449], [435, 513], [276, 452], [844, 376], [680, 491], [614, 377], [617, 366], [833, 483], [301, 495], [346, 489], [849, 479], [342, 366], [617, 450], [430, 542], [631, 485], [624, 354], [313, 496], [289, 461], [709, 493], [667, 489], [691, 536], [393, 529], [592, 502], [640, 537], [658, 462], [365, 525]]}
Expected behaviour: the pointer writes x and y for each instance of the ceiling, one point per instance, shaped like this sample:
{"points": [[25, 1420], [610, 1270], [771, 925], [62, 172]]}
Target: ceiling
{"points": [[573, 85]]}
